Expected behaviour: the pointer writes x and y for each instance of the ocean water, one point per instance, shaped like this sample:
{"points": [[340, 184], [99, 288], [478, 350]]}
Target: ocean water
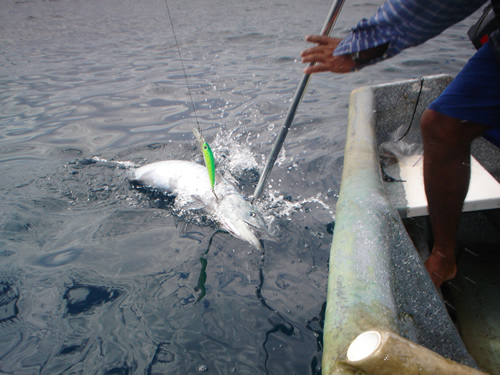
{"points": [[99, 278]]}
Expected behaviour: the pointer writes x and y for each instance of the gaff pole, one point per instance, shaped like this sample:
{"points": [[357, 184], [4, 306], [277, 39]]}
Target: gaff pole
{"points": [[327, 28]]}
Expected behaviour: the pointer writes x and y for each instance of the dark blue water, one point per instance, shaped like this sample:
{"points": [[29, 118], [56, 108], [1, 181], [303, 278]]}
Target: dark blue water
{"points": [[99, 278]]}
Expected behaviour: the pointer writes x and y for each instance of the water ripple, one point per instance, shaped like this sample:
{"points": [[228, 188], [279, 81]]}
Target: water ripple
{"points": [[59, 258]]}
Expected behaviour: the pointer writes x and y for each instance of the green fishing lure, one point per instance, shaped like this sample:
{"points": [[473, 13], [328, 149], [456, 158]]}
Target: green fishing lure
{"points": [[208, 156]]}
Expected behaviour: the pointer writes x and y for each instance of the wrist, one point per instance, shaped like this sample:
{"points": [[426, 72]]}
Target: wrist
{"points": [[359, 59], [367, 56]]}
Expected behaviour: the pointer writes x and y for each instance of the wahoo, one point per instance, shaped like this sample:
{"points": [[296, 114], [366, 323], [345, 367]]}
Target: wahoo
{"points": [[190, 182]]}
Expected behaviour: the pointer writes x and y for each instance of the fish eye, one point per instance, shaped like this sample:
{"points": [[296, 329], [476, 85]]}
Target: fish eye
{"points": [[253, 214]]}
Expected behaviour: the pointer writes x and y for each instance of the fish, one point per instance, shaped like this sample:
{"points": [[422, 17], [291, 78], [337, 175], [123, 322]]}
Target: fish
{"points": [[190, 181]]}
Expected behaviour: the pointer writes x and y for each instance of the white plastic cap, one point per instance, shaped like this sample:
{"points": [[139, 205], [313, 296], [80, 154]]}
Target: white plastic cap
{"points": [[363, 346]]}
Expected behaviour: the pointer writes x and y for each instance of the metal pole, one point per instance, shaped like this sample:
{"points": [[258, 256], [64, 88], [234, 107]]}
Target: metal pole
{"points": [[327, 28]]}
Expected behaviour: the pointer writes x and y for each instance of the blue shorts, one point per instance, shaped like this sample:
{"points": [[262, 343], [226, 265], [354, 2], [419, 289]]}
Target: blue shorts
{"points": [[474, 94]]}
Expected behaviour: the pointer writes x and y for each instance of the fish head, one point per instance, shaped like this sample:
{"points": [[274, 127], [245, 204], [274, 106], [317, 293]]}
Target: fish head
{"points": [[241, 219]]}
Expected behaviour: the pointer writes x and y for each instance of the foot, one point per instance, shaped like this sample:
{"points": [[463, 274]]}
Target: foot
{"points": [[440, 268]]}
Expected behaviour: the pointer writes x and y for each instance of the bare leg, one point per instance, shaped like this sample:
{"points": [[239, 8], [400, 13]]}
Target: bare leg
{"points": [[447, 142]]}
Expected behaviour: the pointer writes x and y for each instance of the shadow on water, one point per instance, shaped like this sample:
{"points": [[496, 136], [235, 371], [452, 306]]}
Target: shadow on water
{"points": [[8, 302], [279, 324], [84, 298], [316, 325]]}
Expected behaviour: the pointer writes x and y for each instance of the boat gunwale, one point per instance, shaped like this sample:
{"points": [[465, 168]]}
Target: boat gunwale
{"points": [[372, 254]]}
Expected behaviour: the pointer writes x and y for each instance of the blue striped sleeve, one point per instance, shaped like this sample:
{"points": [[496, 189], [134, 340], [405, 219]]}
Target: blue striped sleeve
{"points": [[405, 23]]}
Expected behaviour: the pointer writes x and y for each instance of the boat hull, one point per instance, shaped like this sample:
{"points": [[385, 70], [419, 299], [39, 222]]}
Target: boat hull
{"points": [[377, 279]]}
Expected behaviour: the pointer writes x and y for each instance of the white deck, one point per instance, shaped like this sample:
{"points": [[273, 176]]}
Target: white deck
{"points": [[483, 194]]}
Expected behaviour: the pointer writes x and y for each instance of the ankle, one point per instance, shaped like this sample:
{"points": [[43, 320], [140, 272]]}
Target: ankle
{"points": [[441, 266], [443, 254]]}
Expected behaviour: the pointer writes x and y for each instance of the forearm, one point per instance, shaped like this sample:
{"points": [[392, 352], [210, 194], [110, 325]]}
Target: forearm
{"points": [[400, 24]]}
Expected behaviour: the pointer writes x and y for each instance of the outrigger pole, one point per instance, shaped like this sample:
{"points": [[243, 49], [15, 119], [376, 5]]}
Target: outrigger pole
{"points": [[327, 28]]}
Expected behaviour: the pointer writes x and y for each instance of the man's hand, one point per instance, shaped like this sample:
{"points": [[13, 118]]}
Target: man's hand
{"points": [[322, 56]]}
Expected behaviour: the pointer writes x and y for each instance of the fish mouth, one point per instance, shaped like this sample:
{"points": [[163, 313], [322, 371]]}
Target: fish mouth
{"points": [[245, 231], [241, 219], [255, 228]]}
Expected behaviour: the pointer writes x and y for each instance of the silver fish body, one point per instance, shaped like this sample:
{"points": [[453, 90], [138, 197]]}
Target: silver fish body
{"points": [[190, 182]]}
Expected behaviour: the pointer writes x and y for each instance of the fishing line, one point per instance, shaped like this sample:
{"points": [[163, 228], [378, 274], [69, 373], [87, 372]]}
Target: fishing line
{"points": [[205, 148], [414, 109], [182, 64], [385, 176]]}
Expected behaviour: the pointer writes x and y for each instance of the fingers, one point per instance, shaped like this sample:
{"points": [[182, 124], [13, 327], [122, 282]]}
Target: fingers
{"points": [[335, 64], [313, 57], [319, 39], [322, 56], [323, 40], [316, 68], [317, 51], [322, 52]]}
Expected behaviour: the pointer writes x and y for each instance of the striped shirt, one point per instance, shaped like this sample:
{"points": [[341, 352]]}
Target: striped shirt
{"points": [[405, 23]]}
